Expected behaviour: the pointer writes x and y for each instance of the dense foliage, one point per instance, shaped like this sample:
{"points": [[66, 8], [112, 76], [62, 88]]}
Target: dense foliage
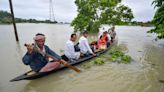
{"points": [[93, 13], [158, 19], [5, 18]]}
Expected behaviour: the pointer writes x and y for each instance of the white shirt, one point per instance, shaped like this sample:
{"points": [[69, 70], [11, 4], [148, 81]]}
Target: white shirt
{"points": [[69, 50], [84, 45]]}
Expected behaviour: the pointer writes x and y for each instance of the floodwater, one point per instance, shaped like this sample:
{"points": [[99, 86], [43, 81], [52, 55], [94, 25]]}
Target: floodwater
{"points": [[143, 74]]}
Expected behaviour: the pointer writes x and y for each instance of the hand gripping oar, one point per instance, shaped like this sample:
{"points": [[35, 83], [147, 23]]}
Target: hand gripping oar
{"points": [[61, 61]]}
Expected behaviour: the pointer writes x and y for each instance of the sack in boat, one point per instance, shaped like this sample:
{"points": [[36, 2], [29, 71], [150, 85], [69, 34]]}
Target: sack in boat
{"points": [[77, 49], [50, 66]]}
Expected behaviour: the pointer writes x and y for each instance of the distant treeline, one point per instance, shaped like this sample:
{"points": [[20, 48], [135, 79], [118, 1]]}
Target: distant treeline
{"points": [[136, 23], [5, 18], [148, 23]]}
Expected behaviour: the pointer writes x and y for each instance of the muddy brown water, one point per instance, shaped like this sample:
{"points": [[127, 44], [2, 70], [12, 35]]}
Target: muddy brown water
{"points": [[141, 75]]}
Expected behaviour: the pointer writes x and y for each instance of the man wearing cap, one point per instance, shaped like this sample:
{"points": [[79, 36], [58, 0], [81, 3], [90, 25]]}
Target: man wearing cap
{"points": [[38, 61], [84, 45]]}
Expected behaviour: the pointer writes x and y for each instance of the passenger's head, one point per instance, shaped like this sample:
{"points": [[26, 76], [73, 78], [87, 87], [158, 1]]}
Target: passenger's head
{"points": [[40, 39], [105, 32], [73, 37], [113, 28], [85, 34]]}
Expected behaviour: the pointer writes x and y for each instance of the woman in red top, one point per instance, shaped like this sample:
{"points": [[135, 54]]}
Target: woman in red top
{"points": [[102, 42]]}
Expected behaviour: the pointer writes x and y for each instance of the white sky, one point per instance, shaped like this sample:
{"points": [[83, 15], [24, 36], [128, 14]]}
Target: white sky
{"points": [[65, 10]]}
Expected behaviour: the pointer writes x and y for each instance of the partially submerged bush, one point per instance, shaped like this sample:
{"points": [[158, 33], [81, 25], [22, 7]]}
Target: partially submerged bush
{"points": [[114, 55], [98, 61], [120, 57], [126, 59]]}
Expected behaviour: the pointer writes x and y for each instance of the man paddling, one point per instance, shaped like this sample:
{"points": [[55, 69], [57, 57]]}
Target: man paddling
{"points": [[38, 55]]}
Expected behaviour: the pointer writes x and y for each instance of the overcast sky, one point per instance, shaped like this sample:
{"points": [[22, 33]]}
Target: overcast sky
{"points": [[65, 10]]}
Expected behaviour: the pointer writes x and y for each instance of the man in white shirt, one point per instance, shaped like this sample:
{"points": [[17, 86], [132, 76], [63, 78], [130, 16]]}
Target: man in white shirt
{"points": [[84, 45], [69, 50]]}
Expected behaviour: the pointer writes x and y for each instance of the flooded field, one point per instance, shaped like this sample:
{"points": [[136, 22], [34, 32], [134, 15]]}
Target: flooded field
{"points": [[143, 74]]}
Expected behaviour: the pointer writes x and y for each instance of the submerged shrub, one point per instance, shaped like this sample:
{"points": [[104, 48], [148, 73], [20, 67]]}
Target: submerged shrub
{"points": [[98, 61], [126, 59], [120, 57]]}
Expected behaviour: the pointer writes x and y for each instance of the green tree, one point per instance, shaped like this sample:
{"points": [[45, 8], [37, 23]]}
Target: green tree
{"points": [[158, 19], [5, 17], [93, 13]]}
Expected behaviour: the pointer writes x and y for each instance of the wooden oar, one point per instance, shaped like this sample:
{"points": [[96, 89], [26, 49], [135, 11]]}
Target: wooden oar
{"points": [[61, 61], [64, 63]]}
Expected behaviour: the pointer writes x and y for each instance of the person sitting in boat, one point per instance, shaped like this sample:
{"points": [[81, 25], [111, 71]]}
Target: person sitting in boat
{"points": [[69, 50], [84, 46], [112, 34], [109, 40], [102, 42], [38, 61]]}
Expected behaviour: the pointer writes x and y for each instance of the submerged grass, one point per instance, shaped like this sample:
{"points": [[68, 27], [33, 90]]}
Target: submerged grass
{"points": [[98, 61], [115, 55], [118, 56]]}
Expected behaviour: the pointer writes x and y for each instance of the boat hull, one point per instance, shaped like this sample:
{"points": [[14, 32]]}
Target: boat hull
{"points": [[41, 74]]}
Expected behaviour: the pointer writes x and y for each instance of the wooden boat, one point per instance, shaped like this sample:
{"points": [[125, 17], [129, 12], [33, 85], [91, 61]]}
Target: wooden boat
{"points": [[41, 74]]}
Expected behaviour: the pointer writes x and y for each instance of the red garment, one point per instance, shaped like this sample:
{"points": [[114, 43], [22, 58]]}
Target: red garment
{"points": [[102, 41], [98, 44]]}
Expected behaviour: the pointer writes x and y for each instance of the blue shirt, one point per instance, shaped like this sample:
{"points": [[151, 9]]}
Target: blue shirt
{"points": [[37, 60]]}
